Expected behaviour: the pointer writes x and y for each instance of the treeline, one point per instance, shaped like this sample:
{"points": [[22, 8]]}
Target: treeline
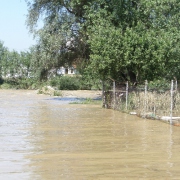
{"points": [[119, 39], [18, 71], [123, 40], [15, 68], [14, 64]]}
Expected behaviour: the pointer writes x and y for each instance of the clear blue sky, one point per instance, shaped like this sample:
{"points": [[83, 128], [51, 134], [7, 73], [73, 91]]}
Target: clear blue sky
{"points": [[13, 30]]}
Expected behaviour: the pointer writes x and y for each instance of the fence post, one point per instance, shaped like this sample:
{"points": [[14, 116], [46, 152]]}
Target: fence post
{"points": [[114, 94], [127, 87], [171, 107], [145, 98]]}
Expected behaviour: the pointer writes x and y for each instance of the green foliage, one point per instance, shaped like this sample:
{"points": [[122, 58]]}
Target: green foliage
{"points": [[87, 101], [28, 83], [66, 83], [144, 44], [6, 86], [59, 41], [122, 40], [57, 93], [69, 83], [9, 84], [159, 85], [12, 83], [74, 83], [14, 64]]}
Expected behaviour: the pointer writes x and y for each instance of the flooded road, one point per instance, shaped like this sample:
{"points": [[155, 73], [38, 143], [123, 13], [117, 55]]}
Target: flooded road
{"points": [[46, 138]]}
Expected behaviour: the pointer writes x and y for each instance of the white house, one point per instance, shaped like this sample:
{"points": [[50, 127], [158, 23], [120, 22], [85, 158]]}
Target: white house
{"points": [[67, 71]]}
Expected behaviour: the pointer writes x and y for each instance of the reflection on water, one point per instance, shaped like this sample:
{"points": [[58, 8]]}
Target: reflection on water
{"points": [[42, 137]]}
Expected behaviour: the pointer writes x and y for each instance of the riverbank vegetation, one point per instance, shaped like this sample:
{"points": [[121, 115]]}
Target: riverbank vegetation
{"points": [[88, 101], [122, 40]]}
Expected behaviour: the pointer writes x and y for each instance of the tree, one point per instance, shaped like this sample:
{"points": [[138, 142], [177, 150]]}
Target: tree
{"points": [[3, 62], [60, 41], [14, 64], [121, 39], [134, 41]]}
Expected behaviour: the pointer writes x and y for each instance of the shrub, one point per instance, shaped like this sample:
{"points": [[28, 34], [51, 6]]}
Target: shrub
{"points": [[69, 83], [66, 82], [160, 85]]}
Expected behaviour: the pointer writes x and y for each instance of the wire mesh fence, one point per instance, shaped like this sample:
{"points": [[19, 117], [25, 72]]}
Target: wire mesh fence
{"points": [[144, 101]]}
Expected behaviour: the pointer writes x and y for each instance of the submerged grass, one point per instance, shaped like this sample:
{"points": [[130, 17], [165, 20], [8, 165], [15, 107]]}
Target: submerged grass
{"points": [[88, 101]]}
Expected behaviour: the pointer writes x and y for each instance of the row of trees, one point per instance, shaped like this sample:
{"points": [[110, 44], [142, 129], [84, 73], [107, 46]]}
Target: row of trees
{"points": [[14, 64], [119, 39]]}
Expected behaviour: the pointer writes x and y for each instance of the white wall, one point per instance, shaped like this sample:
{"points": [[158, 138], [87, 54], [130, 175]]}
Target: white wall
{"points": [[69, 70]]}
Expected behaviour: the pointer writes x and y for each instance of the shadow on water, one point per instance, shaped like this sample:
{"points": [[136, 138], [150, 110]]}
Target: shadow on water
{"points": [[71, 99], [65, 100]]}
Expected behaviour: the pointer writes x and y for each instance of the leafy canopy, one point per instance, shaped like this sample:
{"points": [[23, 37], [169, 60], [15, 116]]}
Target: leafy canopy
{"points": [[120, 39]]}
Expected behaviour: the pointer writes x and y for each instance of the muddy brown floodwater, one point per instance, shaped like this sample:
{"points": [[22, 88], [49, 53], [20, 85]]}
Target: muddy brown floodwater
{"points": [[46, 138]]}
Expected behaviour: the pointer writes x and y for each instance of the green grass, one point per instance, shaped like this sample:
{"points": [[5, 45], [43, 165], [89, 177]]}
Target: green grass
{"points": [[6, 86], [88, 101], [57, 93]]}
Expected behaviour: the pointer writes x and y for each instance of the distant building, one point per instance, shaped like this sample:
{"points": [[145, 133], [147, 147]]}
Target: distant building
{"points": [[67, 70]]}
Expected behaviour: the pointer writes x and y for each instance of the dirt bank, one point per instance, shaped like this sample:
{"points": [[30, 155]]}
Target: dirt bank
{"points": [[82, 94], [48, 90]]}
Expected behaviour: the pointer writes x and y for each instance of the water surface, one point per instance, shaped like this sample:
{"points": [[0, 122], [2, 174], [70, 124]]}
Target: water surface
{"points": [[43, 137]]}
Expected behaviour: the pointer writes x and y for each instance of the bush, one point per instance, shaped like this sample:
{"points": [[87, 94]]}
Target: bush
{"points": [[74, 83], [21, 83], [159, 85], [9, 84], [69, 83], [6, 86], [66, 82], [58, 82]]}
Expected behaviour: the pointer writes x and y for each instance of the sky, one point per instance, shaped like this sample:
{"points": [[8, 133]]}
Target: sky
{"points": [[13, 30]]}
